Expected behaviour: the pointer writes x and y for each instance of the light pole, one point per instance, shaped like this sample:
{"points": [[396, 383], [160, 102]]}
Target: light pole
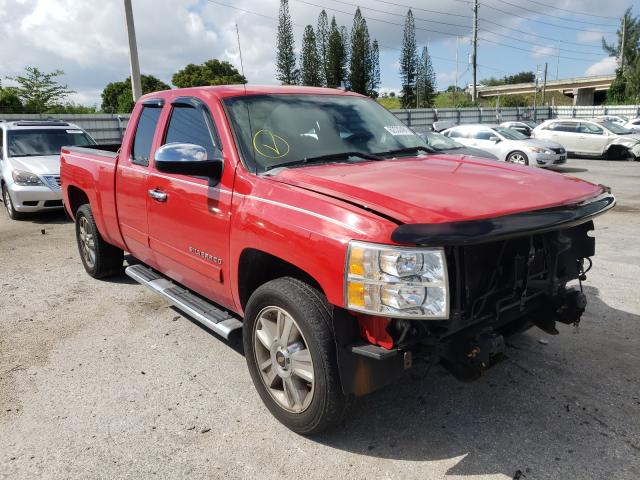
{"points": [[136, 84]]}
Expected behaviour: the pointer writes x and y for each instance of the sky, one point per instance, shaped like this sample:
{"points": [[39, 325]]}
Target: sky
{"points": [[88, 40]]}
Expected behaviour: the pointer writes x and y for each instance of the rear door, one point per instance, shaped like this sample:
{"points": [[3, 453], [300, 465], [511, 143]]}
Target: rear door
{"points": [[566, 133], [484, 139], [189, 228], [131, 179]]}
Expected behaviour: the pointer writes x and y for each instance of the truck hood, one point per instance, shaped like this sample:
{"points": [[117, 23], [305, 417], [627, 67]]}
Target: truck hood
{"points": [[440, 188], [40, 165]]}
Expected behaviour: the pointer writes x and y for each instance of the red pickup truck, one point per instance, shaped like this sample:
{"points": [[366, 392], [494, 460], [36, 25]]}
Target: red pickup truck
{"points": [[342, 247]]}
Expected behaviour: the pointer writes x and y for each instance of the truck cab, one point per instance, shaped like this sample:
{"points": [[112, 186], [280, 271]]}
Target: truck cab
{"points": [[327, 233]]}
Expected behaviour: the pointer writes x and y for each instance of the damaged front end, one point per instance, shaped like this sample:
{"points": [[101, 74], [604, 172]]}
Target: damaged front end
{"points": [[505, 275]]}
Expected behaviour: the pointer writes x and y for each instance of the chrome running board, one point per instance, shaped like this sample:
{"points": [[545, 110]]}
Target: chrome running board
{"points": [[201, 310]]}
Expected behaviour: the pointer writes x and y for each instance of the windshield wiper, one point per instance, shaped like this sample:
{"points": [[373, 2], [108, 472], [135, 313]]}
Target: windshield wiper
{"points": [[329, 158], [400, 151]]}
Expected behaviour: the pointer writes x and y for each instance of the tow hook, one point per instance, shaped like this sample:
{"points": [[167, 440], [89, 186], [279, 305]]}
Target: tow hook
{"points": [[468, 359]]}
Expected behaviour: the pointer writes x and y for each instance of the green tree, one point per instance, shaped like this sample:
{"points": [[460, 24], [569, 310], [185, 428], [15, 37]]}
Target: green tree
{"points": [[335, 57], [408, 62], [285, 57], [310, 66], [359, 62], [211, 72], [322, 40], [617, 93], [9, 100], [374, 70], [425, 80], [118, 98], [39, 91], [631, 26]]}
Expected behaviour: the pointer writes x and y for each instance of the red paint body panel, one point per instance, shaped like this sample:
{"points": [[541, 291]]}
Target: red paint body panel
{"points": [[305, 216]]}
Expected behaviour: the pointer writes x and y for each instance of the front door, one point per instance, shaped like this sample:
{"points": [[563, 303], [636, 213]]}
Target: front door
{"points": [[188, 216], [592, 138]]}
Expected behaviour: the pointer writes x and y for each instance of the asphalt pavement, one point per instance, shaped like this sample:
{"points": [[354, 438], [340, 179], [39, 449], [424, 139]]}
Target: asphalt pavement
{"points": [[102, 379]]}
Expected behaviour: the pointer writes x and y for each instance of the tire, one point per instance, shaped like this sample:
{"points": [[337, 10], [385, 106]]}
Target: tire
{"points": [[518, 157], [100, 259], [8, 204], [310, 407]]}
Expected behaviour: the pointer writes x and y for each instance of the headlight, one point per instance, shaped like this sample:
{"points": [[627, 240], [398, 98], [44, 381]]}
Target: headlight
{"points": [[26, 178], [397, 281], [539, 150]]}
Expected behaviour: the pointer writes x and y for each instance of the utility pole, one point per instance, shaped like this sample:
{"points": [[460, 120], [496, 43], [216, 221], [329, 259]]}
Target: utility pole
{"points": [[624, 35], [474, 92], [455, 92], [557, 61], [544, 85], [136, 85]]}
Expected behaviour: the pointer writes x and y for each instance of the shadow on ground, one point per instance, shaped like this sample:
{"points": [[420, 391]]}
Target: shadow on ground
{"points": [[539, 411]]}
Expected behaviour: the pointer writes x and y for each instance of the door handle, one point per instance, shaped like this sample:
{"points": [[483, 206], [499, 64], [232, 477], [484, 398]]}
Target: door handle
{"points": [[158, 195]]}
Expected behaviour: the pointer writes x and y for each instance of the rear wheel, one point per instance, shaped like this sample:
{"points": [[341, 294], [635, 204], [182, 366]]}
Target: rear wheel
{"points": [[290, 352], [100, 259], [518, 157], [8, 205]]}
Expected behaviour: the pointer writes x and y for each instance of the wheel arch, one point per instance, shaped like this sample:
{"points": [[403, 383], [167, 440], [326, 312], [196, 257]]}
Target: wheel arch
{"points": [[257, 267], [77, 198]]}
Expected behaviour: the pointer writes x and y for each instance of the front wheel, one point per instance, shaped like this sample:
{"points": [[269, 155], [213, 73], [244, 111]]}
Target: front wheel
{"points": [[518, 157], [8, 205], [100, 259], [291, 355]]}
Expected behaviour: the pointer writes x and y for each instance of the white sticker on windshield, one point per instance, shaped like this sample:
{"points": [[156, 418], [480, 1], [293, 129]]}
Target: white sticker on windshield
{"points": [[397, 130], [74, 131]]}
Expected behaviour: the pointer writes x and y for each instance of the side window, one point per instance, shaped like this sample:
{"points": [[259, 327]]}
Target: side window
{"points": [[143, 139], [483, 135], [457, 133], [564, 127], [189, 125], [590, 129]]}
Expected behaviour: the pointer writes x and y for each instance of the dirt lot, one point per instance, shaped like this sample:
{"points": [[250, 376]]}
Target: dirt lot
{"points": [[101, 379]]}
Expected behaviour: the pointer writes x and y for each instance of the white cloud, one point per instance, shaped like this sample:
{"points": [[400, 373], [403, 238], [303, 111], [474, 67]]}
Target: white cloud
{"points": [[605, 66], [588, 36], [544, 51]]}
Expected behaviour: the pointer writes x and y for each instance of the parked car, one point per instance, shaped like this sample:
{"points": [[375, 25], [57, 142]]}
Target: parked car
{"points": [[30, 163], [343, 256], [591, 137], [525, 127], [442, 125], [444, 144], [509, 145], [633, 124], [619, 119]]}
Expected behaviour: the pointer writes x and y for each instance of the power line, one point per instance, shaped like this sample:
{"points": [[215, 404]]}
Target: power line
{"points": [[572, 11], [579, 29], [554, 16]]}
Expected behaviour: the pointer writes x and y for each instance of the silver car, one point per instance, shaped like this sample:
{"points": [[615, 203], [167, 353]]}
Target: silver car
{"points": [[599, 138], [509, 145], [30, 163]]}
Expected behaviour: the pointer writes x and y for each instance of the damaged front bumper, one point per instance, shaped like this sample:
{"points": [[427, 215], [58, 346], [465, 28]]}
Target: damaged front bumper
{"points": [[506, 275]]}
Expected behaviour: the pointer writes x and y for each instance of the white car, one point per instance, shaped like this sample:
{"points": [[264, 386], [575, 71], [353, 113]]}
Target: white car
{"points": [[633, 124], [30, 163], [509, 145], [619, 119], [591, 137]]}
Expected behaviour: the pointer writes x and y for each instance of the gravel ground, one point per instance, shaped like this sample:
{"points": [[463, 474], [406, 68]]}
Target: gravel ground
{"points": [[101, 379]]}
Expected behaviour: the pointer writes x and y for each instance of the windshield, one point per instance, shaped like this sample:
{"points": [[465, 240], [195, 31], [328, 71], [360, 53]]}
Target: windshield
{"points": [[615, 128], [273, 130], [440, 142], [35, 142], [510, 134]]}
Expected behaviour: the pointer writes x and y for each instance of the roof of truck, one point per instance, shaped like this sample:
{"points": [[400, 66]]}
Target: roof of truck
{"points": [[225, 91]]}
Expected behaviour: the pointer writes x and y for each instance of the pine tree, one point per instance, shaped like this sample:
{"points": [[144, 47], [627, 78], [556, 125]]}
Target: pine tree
{"points": [[374, 70], [335, 57], [346, 48], [425, 80], [408, 62], [360, 55], [322, 40], [310, 66], [286, 57]]}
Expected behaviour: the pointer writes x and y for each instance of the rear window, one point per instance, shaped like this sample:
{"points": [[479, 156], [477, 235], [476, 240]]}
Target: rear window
{"points": [[563, 127], [44, 141], [457, 133]]}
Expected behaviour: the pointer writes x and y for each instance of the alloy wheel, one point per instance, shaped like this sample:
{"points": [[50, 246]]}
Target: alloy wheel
{"points": [[87, 242], [283, 359]]}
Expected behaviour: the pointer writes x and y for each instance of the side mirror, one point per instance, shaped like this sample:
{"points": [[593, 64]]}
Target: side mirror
{"points": [[188, 159], [494, 139]]}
